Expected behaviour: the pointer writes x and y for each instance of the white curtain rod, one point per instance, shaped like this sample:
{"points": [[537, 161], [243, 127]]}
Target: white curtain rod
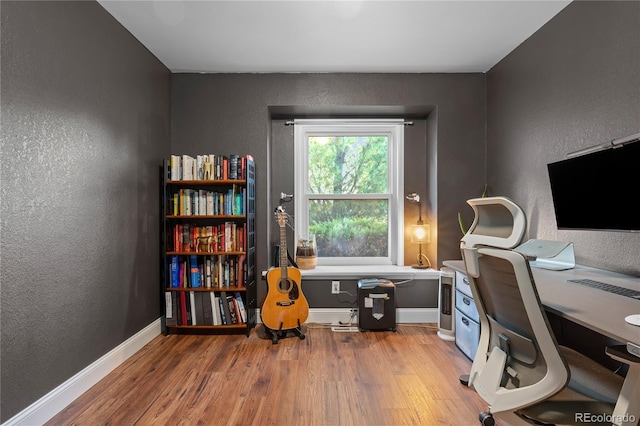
{"points": [[291, 123], [616, 143]]}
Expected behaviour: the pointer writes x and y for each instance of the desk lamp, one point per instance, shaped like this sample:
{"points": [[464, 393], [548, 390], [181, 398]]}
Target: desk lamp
{"points": [[420, 233]]}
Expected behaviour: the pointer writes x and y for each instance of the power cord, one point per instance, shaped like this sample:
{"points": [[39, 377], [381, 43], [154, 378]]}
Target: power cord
{"points": [[352, 315]]}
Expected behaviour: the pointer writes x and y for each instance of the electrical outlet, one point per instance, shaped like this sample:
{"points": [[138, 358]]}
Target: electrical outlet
{"points": [[335, 287]]}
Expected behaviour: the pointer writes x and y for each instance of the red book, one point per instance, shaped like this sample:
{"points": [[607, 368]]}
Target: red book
{"points": [[240, 238], [240, 271], [177, 238], [183, 308]]}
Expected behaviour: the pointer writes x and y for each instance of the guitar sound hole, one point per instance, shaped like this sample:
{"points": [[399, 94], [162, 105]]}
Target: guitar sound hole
{"points": [[284, 286]]}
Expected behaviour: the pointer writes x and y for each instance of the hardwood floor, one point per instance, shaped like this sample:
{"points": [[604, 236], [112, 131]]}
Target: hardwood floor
{"points": [[409, 377]]}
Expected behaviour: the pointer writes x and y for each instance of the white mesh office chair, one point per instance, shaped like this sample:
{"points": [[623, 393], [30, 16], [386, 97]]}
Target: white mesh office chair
{"points": [[519, 369]]}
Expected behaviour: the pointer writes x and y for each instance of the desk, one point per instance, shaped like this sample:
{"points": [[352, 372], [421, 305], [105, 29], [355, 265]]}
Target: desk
{"points": [[594, 309]]}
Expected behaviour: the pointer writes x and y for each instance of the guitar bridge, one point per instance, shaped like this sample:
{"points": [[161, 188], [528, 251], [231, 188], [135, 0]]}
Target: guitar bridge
{"points": [[289, 303]]}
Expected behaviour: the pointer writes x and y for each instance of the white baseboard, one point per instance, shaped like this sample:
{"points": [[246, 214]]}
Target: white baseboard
{"points": [[403, 315], [55, 401], [416, 315]]}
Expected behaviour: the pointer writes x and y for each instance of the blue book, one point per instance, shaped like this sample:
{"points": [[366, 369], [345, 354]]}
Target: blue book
{"points": [[195, 271], [175, 272], [238, 205]]}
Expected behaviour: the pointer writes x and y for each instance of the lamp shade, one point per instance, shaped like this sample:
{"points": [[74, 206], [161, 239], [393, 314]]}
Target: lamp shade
{"points": [[420, 234]]}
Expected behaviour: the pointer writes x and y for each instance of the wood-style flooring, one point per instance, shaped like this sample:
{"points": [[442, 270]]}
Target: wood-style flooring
{"points": [[407, 377]]}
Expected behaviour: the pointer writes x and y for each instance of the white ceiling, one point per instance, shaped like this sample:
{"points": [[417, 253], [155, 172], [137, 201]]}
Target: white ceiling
{"points": [[332, 36]]}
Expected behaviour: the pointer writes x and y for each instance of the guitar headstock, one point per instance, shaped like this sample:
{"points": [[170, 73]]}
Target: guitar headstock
{"points": [[281, 216]]}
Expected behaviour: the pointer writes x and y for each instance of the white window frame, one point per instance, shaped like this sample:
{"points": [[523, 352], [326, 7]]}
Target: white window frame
{"points": [[394, 130]]}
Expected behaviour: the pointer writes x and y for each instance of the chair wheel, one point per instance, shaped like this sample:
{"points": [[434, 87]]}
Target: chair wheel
{"points": [[464, 379], [486, 419]]}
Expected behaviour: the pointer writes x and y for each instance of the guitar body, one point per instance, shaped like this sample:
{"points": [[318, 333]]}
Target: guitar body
{"points": [[285, 307]]}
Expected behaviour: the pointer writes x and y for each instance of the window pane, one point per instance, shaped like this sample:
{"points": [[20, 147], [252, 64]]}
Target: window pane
{"points": [[348, 164], [350, 228]]}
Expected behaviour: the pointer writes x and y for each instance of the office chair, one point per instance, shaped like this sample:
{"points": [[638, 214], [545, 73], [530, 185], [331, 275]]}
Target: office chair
{"points": [[519, 370]]}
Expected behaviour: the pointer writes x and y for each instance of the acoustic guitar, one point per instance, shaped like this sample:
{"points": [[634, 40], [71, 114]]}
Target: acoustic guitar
{"points": [[285, 307]]}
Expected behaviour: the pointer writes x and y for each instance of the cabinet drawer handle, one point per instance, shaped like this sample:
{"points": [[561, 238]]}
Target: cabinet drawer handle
{"points": [[465, 321], [466, 301], [465, 280]]}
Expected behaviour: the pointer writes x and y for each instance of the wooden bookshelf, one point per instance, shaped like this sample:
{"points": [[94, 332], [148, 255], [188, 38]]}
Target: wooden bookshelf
{"points": [[208, 251]]}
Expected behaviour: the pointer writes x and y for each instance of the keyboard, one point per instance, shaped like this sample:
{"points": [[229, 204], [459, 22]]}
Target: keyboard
{"points": [[608, 288]]}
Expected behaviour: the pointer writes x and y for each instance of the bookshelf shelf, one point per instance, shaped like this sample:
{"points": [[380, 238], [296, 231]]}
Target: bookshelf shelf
{"points": [[208, 290], [210, 327], [205, 253], [196, 217], [208, 182], [208, 246]]}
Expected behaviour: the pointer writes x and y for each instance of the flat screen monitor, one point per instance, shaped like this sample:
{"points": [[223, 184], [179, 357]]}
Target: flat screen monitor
{"points": [[598, 191]]}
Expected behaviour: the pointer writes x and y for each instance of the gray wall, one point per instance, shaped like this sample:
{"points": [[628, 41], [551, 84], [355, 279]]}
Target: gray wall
{"points": [[85, 125], [85, 118], [241, 113], [575, 83]]}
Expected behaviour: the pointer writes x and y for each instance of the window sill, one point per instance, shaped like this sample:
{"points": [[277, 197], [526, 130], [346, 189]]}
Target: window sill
{"points": [[324, 272]]}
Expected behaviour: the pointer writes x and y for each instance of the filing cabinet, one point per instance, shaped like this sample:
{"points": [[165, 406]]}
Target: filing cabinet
{"points": [[467, 329]]}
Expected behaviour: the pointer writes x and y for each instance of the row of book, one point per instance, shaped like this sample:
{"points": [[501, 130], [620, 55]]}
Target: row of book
{"points": [[219, 271], [204, 308], [202, 202], [224, 237], [208, 167]]}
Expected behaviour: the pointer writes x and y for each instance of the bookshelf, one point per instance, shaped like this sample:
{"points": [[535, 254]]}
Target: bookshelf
{"points": [[208, 245]]}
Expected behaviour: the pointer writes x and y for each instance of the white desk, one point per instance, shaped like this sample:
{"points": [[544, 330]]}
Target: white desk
{"points": [[594, 309]]}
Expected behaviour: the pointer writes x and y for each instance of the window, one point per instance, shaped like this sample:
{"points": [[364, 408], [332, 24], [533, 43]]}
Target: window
{"points": [[349, 189]]}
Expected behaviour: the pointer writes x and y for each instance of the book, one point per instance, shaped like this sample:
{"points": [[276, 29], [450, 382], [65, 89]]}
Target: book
{"points": [[174, 207], [215, 307], [171, 309], [182, 267], [175, 272], [183, 308], [233, 166], [174, 167], [240, 270], [241, 307], [222, 302], [207, 272], [233, 313], [233, 310], [192, 302], [194, 269], [188, 166], [209, 200], [198, 308], [199, 171], [207, 311]]}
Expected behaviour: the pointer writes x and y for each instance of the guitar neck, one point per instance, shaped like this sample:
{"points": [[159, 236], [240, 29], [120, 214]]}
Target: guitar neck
{"points": [[283, 252]]}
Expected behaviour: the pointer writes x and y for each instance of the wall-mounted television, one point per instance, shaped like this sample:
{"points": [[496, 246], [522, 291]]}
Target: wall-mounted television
{"points": [[598, 191]]}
